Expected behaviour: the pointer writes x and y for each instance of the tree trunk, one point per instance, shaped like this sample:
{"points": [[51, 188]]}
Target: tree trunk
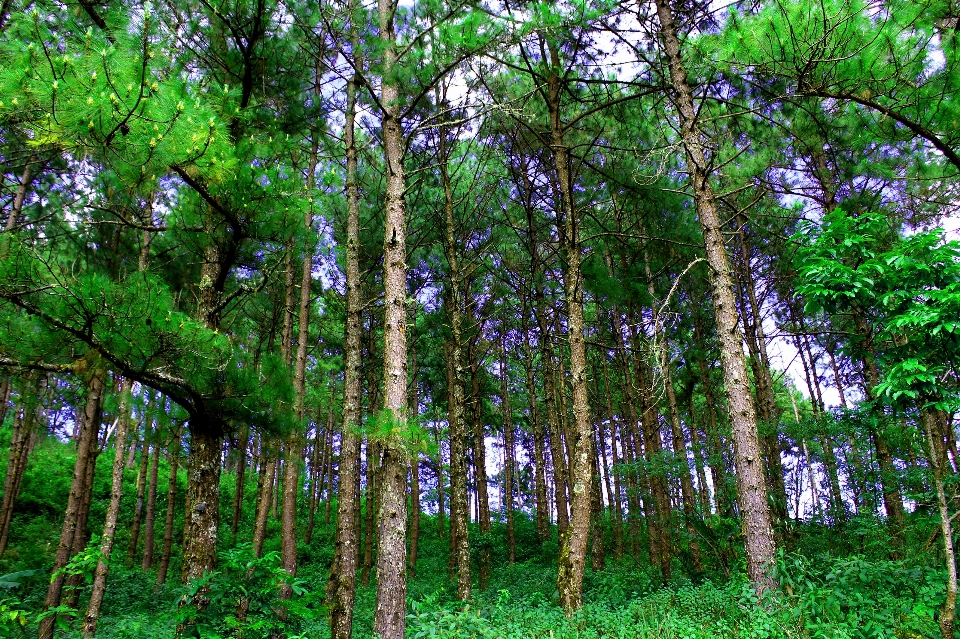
{"points": [[892, 500], [201, 520], [459, 537], [81, 535], [264, 497], [150, 517], [21, 443], [767, 413], [88, 432], [243, 441], [171, 509], [938, 458], [573, 544], [141, 491], [113, 511], [341, 588], [536, 427], [509, 452], [414, 414], [752, 491], [373, 461], [480, 468]]}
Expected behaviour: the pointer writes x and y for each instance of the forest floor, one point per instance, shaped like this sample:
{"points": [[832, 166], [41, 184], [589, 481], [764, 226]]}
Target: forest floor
{"points": [[835, 582], [848, 597]]}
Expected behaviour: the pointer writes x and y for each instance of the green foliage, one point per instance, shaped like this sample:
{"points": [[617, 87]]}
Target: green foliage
{"points": [[860, 599], [243, 597], [14, 614], [906, 286]]}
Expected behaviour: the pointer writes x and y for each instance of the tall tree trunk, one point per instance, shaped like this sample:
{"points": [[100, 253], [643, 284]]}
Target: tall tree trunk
{"points": [[21, 443], [89, 430], [480, 467], [459, 537], [752, 490], [171, 509], [373, 462], [294, 444], [341, 588], [141, 492], [536, 428], [150, 517], [573, 544], [243, 442], [414, 413], [767, 412], [892, 500], [202, 518], [683, 464], [938, 458], [509, 452], [113, 512], [264, 497]]}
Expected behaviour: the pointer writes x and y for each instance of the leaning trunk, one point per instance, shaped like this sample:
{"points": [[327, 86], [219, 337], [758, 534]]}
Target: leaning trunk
{"points": [[113, 512], [752, 490], [86, 446]]}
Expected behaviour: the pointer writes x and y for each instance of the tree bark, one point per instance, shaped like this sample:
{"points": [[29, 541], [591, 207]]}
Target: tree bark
{"points": [[171, 509], [752, 491], [21, 443], [243, 442], [573, 544], [89, 430], [141, 492], [480, 467], [341, 588], [113, 512], [150, 517], [509, 452]]}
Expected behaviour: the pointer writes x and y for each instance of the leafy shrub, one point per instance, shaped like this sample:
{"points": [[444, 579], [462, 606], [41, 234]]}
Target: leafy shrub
{"points": [[860, 599]]}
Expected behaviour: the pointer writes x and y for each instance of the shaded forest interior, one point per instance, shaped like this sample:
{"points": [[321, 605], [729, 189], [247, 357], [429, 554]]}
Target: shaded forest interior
{"points": [[466, 319]]}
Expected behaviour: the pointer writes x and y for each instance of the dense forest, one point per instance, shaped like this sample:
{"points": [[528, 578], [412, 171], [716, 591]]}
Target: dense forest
{"points": [[479, 319]]}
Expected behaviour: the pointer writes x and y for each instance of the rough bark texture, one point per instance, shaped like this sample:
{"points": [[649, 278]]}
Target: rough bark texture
{"points": [[264, 498], [113, 512], [573, 545], [343, 575], [480, 469], [243, 441], [752, 493], [456, 409], [22, 441], [203, 498], [509, 453], [937, 456], [389, 619], [536, 426], [892, 499], [141, 492], [86, 446], [150, 516], [171, 509]]}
